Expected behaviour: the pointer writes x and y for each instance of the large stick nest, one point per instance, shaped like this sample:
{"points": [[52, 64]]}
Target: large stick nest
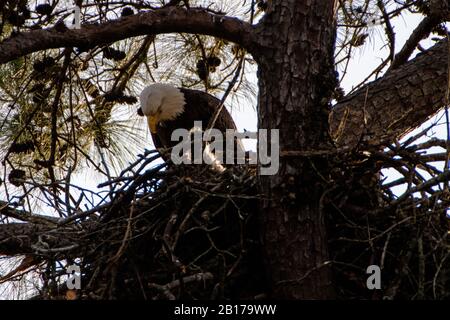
{"points": [[189, 232]]}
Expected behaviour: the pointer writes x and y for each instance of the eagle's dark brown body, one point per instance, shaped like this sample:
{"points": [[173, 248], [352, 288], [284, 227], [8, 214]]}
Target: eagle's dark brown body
{"points": [[200, 106]]}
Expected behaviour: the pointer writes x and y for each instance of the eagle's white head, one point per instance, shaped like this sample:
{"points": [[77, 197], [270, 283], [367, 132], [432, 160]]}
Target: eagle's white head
{"points": [[160, 102]]}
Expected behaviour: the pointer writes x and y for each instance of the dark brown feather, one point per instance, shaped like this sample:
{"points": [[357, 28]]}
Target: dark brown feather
{"points": [[200, 106]]}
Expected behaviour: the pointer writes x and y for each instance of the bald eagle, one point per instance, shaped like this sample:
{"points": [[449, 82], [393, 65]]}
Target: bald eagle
{"points": [[167, 108]]}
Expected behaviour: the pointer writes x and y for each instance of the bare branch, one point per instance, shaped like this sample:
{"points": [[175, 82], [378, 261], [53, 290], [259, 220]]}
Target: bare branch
{"points": [[422, 31], [166, 20], [24, 238], [395, 104]]}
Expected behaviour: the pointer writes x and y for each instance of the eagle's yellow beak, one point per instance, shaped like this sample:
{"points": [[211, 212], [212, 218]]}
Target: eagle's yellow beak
{"points": [[152, 123]]}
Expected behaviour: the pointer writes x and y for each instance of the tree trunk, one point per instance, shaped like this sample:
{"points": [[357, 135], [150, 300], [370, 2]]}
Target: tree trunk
{"points": [[296, 78]]}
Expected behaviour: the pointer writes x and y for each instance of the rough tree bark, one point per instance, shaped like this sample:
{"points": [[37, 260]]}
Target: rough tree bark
{"points": [[394, 104], [296, 80], [166, 20]]}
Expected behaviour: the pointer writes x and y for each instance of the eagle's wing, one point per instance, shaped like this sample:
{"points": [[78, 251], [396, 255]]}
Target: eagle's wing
{"points": [[200, 106], [207, 104]]}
